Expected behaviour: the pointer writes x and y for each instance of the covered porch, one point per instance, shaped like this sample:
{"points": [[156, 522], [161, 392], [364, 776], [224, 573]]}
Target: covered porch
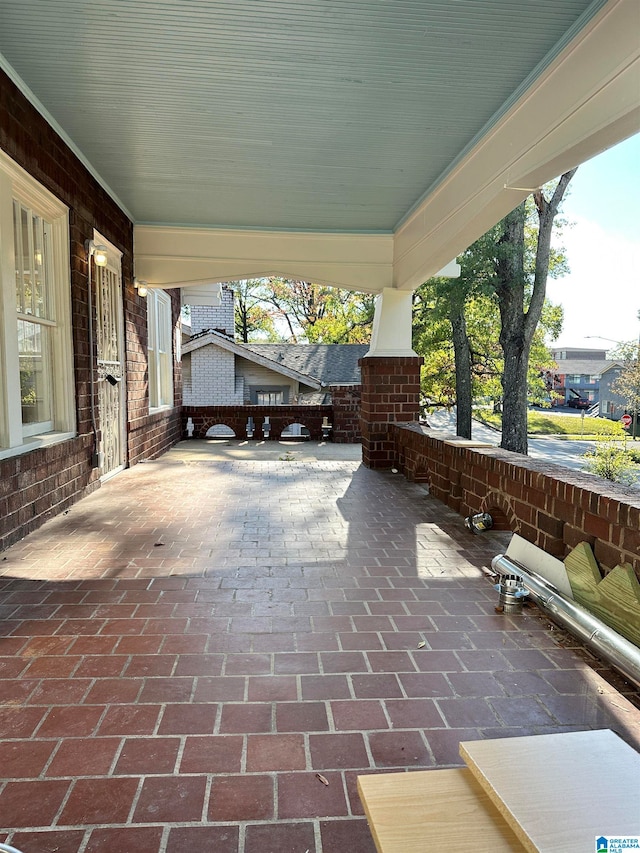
{"points": [[205, 653]]}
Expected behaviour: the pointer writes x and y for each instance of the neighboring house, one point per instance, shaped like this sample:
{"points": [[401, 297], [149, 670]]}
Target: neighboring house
{"points": [[219, 371], [579, 370], [612, 405]]}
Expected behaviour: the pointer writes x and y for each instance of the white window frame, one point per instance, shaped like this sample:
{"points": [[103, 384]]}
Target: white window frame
{"points": [[159, 349], [16, 438]]}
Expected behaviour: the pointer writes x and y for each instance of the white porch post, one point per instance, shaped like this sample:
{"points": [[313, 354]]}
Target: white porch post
{"points": [[391, 334]]}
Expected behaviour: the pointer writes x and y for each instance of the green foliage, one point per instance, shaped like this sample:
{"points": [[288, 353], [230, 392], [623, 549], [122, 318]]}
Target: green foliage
{"points": [[628, 382], [253, 319], [432, 333], [479, 293], [304, 312], [611, 460]]}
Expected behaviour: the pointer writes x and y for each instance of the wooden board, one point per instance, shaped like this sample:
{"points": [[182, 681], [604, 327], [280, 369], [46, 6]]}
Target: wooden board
{"points": [[433, 810], [615, 599], [559, 792], [465, 442], [538, 561]]}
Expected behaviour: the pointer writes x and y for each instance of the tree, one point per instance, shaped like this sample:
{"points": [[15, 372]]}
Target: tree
{"points": [[456, 328], [521, 295], [253, 320], [316, 313], [628, 382]]}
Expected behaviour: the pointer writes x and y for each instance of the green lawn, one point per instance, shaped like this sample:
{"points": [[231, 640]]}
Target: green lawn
{"points": [[567, 426]]}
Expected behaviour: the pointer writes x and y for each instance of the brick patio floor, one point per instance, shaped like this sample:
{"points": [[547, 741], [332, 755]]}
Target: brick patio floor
{"points": [[185, 650]]}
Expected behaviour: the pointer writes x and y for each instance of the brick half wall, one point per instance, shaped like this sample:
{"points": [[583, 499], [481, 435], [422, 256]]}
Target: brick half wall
{"points": [[554, 507], [236, 417]]}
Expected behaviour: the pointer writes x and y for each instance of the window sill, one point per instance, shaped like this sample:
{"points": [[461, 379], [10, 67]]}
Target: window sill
{"points": [[36, 442]]}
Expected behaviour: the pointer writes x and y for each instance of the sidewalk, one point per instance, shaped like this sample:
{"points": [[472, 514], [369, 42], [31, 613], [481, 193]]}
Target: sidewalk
{"points": [[187, 652]]}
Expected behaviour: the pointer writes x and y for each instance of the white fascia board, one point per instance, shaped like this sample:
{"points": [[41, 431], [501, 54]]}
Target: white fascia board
{"points": [[213, 339], [169, 256], [587, 100]]}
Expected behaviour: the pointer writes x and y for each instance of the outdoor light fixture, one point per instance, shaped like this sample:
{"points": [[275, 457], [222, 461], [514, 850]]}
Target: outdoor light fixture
{"points": [[141, 286], [98, 252]]}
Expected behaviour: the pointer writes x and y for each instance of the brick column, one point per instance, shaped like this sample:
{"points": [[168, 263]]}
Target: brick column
{"points": [[390, 393]]}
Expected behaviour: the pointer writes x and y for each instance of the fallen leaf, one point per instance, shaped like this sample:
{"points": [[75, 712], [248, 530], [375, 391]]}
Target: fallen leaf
{"points": [[322, 778], [422, 645]]}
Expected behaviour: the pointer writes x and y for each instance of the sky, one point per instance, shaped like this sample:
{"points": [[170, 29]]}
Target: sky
{"points": [[601, 294]]}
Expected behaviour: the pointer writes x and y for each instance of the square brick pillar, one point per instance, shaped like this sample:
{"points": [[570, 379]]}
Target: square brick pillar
{"points": [[390, 393]]}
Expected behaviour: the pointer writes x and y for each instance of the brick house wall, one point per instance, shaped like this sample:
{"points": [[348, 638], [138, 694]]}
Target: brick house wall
{"points": [[213, 378], [220, 318], [41, 483], [551, 506]]}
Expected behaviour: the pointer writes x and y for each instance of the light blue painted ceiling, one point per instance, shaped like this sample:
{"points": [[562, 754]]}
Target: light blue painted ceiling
{"points": [[303, 114]]}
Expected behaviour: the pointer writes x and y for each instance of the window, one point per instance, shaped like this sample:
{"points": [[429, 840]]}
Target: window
{"points": [[36, 372], [159, 348], [269, 398], [269, 395]]}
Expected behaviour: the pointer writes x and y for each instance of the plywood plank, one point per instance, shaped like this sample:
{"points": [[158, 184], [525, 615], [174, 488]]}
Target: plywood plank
{"points": [[615, 599], [559, 792], [433, 810]]}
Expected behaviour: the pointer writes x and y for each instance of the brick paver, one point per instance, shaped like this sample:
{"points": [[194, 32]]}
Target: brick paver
{"points": [[185, 652]]}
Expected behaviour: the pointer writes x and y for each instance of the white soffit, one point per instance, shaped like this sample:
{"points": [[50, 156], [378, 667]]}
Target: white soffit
{"points": [[587, 100]]}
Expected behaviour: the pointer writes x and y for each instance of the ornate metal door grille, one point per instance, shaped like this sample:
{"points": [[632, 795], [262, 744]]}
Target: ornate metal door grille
{"points": [[110, 368]]}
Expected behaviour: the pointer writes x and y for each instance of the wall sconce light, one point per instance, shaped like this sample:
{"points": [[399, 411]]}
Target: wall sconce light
{"points": [[141, 286], [98, 252]]}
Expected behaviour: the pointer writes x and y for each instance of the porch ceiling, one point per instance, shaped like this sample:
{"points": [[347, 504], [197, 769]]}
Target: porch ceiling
{"points": [[325, 116]]}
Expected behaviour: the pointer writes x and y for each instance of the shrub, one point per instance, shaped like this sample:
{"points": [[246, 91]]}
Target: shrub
{"points": [[611, 461]]}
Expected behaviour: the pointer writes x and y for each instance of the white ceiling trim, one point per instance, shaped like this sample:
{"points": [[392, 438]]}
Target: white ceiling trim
{"points": [[183, 257], [587, 100]]}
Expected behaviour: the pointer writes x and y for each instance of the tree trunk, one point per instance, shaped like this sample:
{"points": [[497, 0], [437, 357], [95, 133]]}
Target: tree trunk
{"points": [[519, 321], [463, 371], [515, 347]]}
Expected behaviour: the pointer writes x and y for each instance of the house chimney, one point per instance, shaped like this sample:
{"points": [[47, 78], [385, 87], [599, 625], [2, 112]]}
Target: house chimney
{"points": [[220, 318]]}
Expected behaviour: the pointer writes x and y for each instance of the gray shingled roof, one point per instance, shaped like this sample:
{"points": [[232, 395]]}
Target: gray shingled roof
{"points": [[330, 364], [583, 366]]}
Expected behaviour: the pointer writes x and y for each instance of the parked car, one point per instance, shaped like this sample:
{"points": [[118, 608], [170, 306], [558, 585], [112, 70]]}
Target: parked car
{"points": [[577, 402]]}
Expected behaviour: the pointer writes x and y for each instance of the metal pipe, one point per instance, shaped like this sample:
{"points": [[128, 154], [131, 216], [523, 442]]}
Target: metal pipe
{"points": [[613, 647]]}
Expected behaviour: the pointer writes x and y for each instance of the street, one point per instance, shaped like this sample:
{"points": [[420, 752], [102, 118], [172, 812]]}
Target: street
{"points": [[557, 450]]}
